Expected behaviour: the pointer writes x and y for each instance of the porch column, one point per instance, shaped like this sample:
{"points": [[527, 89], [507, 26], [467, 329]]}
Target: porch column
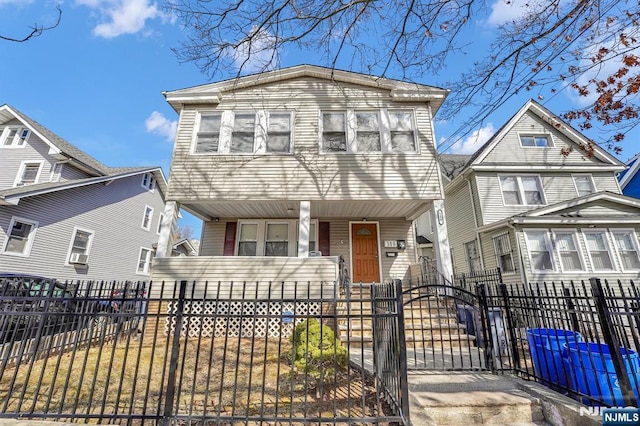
{"points": [[165, 240], [303, 228], [443, 252]]}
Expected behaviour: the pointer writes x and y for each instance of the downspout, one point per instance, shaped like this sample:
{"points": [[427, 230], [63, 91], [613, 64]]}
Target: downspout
{"points": [[510, 225], [475, 222]]}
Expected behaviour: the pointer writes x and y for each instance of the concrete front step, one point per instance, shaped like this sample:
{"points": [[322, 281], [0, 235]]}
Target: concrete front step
{"points": [[461, 398]]}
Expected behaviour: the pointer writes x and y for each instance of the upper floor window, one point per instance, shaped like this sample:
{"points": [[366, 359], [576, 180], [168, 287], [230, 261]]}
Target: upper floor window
{"points": [[584, 184], [540, 250], [521, 190], [28, 173], [20, 236], [627, 247], [56, 172], [277, 239], [14, 137], [258, 132], [146, 219], [160, 222], [502, 246], [148, 181], [80, 246], [354, 131], [536, 141]]}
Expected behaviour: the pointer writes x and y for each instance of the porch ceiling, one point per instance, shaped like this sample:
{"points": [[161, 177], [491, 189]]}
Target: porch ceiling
{"points": [[319, 209]]}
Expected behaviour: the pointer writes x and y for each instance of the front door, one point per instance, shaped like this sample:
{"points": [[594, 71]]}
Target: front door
{"points": [[364, 253]]}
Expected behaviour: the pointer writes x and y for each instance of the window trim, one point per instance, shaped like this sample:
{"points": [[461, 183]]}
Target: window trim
{"points": [[266, 230], [576, 240], [590, 176], [384, 128], [261, 131], [22, 169], [261, 236], [495, 249], [547, 136], [59, 165], [148, 259], [521, 190], [144, 216], [151, 181], [260, 230], [607, 242], [160, 220], [4, 134], [468, 259], [73, 238], [634, 241], [550, 249], [30, 238]]}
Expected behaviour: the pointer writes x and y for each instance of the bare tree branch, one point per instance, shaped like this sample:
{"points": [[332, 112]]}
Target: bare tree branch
{"points": [[36, 30]]}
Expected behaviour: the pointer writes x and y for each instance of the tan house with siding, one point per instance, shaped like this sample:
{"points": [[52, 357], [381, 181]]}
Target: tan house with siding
{"points": [[291, 169], [521, 205]]}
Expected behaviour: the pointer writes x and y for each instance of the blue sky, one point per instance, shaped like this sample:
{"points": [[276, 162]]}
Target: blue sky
{"points": [[97, 79]]}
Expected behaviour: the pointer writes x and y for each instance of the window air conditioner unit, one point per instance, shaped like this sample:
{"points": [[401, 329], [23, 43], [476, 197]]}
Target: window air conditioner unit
{"points": [[78, 258], [315, 253]]}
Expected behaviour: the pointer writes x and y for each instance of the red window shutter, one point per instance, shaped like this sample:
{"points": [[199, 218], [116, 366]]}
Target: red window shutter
{"points": [[230, 239], [323, 236]]}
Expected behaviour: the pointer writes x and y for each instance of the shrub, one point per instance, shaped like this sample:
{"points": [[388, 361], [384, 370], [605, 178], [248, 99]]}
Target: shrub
{"points": [[317, 353]]}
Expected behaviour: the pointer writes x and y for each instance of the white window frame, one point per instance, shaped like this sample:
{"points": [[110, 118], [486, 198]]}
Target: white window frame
{"points": [[576, 243], [77, 229], [634, 242], [266, 229], [56, 172], [548, 244], [15, 143], [144, 218], [160, 221], [261, 132], [21, 170], [469, 259], [521, 189], [148, 181], [547, 136], [260, 230], [384, 127], [609, 248], [498, 255], [575, 184], [261, 236], [146, 270], [30, 238]]}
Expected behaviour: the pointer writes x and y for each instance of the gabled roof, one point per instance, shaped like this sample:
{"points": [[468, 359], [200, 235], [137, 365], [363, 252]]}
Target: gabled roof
{"points": [[585, 199], [12, 196], [452, 164], [627, 175], [64, 150], [211, 93]]}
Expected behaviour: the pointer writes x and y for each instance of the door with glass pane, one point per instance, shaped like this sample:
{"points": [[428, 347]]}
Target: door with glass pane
{"points": [[364, 253]]}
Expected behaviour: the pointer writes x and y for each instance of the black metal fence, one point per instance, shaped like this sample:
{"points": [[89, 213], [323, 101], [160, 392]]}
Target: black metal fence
{"points": [[210, 353]]}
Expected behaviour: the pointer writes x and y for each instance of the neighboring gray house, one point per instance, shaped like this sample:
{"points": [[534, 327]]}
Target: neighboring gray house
{"points": [[520, 205], [291, 169], [65, 215]]}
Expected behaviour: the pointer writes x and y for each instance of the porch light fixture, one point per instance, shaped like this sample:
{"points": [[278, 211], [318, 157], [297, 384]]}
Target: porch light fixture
{"points": [[364, 219]]}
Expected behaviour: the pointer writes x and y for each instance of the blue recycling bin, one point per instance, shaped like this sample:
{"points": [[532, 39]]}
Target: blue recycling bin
{"points": [[594, 374], [546, 346]]}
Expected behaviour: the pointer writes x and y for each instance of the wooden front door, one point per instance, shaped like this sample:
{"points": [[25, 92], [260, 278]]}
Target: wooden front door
{"points": [[364, 253]]}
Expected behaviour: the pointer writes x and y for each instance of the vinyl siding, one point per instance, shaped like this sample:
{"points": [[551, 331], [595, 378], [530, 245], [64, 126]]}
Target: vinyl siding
{"points": [[531, 124], [114, 212], [391, 229], [558, 186], [306, 174], [460, 224]]}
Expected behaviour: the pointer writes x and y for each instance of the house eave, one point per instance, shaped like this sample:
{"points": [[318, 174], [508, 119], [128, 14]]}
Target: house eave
{"points": [[544, 168]]}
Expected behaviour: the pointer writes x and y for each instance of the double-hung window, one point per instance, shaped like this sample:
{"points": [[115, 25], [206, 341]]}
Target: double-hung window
{"points": [[145, 259], [146, 218], [160, 222], [14, 137], [540, 250], [80, 246], [502, 246], [355, 131], [248, 239], [244, 132], [535, 141], [28, 174], [277, 239], [584, 184], [568, 250], [521, 190], [148, 181], [599, 250], [626, 245], [473, 256], [20, 236]]}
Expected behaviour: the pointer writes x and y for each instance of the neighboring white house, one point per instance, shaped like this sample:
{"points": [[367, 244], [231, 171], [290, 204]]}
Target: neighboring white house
{"points": [[65, 215], [521, 205], [292, 169]]}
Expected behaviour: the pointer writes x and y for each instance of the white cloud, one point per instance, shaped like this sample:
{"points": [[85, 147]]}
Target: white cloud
{"points": [[123, 16], [160, 125], [504, 11], [474, 141], [257, 55], [18, 2]]}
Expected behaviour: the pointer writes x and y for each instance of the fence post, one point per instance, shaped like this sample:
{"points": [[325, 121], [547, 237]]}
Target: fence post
{"points": [[175, 352], [402, 342], [481, 292], [613, 343], [510, 326], [571, 308]]}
